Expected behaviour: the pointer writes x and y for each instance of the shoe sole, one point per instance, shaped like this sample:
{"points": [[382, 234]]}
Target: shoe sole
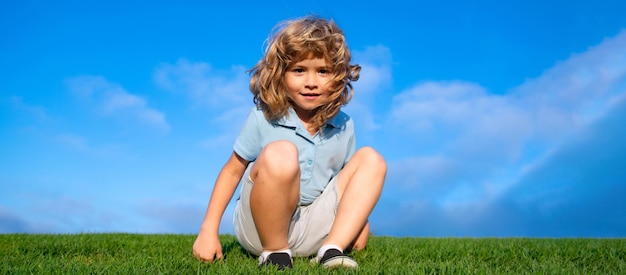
{"points": [[343, 262]]}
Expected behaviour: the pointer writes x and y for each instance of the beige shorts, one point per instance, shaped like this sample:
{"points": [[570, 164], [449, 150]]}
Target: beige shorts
{"points": [[309, 226]]}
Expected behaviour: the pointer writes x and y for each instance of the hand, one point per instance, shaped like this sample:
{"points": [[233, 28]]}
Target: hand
{"points": [[207, 247]]}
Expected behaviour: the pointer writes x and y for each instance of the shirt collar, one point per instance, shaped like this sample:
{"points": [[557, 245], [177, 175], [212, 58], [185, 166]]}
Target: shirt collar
{"points": [[292, 120], [335, 121]]}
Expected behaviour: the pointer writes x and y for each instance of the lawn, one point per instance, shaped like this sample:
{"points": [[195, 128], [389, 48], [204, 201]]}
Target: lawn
{"points": [[171, 254]]}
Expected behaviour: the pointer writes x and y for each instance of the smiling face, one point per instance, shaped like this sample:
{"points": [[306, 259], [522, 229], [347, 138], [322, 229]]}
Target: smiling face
{"points": [[308, 83]]}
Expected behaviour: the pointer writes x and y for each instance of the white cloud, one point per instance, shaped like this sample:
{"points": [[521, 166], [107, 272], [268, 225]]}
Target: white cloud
{"points": [[374, 78], [82, 144], [230, 123], [172, 215], [576, 91], [111, 99], [50, 212], [471, 134], [363, 117], [38, 112], [471, 124], [224, 93], [73, 141], [473, 146], [12, 222], [375, 74], [205, 85]]}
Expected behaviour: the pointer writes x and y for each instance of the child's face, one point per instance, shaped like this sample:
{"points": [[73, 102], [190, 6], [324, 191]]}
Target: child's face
{"points": [[308, 83]]}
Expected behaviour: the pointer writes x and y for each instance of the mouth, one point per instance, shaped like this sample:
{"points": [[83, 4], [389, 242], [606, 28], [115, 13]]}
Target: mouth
{"points": [[310, 95]]}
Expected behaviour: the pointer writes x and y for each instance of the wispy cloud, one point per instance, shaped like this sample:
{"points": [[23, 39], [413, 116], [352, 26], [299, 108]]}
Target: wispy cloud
{"points": [[475, 146], [10, 222], [463, 161], [112, 100], [173, 216], [49, 211], [463, 121], [577, 90], [205, 85], [578, 188], [229, 123], [374, 79], [223, 93], [83, 144], [38, 112], [376, 73]]}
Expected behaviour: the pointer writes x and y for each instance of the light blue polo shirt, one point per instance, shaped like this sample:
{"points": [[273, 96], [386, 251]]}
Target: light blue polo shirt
{"points": [[321, 156]]}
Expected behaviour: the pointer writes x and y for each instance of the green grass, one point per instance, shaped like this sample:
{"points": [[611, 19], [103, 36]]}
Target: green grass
{"points": [[171, 254]]}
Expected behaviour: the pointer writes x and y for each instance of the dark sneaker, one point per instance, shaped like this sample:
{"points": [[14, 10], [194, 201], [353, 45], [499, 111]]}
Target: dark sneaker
{"points": [[281, 260], [334, 258]]}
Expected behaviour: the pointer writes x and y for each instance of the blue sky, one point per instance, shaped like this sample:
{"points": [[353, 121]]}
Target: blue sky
{"points": [[497, 118]]}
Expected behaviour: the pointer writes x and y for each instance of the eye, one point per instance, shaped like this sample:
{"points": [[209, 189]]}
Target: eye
{"points": [[298, 70], [324, 71]]}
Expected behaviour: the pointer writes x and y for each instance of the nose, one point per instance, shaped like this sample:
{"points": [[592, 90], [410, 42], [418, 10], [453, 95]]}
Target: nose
{"points": [[310, 81]]}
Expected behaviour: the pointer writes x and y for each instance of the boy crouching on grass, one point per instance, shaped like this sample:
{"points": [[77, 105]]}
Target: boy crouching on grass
{"points": [[306, 190]]}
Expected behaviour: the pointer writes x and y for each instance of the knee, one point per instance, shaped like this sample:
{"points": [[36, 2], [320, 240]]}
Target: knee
{"points": [[372, 159], [280, 157]]}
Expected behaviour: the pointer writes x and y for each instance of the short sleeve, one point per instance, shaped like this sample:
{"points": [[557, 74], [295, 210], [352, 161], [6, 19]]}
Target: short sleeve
{"points": [[351, 140], [248, 144]]}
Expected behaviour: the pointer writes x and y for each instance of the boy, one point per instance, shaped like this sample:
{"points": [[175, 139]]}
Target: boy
{"points": [[305, 188]]}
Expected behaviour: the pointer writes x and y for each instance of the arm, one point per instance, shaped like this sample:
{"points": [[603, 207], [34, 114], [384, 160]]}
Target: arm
{"points": [[207, 246]]}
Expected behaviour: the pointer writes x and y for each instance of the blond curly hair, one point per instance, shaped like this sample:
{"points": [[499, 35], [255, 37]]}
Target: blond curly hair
{"points": [[290, 42]]}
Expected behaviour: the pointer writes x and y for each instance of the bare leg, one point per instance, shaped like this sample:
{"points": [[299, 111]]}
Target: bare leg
{"points": [[361, 240], [359, 186], [275, 193]]}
